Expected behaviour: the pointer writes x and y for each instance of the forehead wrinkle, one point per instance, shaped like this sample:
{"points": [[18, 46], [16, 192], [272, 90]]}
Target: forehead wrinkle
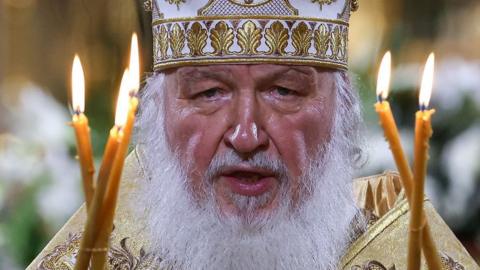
{"points": [[201, 73], [278, 71]]}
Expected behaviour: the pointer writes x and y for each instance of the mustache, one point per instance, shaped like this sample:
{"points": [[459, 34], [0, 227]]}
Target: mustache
{"points": [[259, 160]]}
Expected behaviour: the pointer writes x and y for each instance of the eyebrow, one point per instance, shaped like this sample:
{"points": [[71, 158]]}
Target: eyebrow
{"points": [[286, 74], [225, 75], [305, 70], [217, 74]]}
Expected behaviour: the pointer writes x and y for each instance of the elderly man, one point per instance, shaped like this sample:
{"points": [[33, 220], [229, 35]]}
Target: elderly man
{"points": [[248, 137]]}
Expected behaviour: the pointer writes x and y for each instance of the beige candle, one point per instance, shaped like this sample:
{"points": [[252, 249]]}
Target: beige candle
{"points": [[389, 126], [82, 130], [423, 132], [96, 219], [382, 107], [99, 259]]}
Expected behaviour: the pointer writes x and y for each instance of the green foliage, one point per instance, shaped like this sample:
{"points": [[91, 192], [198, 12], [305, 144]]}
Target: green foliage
{"points": [[23, 228]]}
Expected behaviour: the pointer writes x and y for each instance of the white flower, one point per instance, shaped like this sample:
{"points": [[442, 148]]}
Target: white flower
{"points": [[38, 147]]}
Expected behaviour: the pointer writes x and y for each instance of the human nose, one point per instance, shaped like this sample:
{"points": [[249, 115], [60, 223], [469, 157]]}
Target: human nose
{"points": [[246, 134]]}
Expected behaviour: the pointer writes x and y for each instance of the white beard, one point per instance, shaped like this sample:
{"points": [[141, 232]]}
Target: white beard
{"points": [[188, 234]]}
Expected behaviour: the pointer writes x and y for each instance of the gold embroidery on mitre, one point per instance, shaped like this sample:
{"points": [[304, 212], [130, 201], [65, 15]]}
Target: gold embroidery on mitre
{"points": [[249, 37], [277, 38], [229, 31], [259, 7], [176, 2], [301, 39], [148, 5], [322, 40], [177, 40], [354, 5], [196, 39], [161, 42], [222, 38], [336, 39], [323, 2], [211, 41], [250, 2]]}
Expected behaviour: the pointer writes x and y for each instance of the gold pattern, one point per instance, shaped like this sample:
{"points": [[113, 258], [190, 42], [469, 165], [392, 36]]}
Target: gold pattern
{"points": [[248, 17], [119, 257], [177, 40], [277, 38], [251, 29], [248, 3], [373, 231], [176, 2], [122, 258], [301, 39], [161, 42], [249, 38], [196, 39], [61, 256], [344, 45], [222, 38], [377, 197], [448, 263], [336, 39], [384, 241], [372, 265], [248, 60], [322, 40], [354, 5], [148, 5], [323, 2], [231, 4]]}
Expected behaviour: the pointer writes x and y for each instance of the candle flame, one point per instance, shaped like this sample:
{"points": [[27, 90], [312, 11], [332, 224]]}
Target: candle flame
{"points": [[383, 80], [123, 100], [134, 65], [427, 82], [78, 86]]}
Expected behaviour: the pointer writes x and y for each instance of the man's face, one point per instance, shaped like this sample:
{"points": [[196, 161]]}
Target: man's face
{"points": [[283, 113]]}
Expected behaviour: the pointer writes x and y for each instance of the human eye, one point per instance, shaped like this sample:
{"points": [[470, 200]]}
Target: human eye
{"points": [[283, 92], [209, 94], [285, 99]]}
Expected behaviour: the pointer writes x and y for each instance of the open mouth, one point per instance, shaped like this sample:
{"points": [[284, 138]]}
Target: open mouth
{"points": [[248, 181]]}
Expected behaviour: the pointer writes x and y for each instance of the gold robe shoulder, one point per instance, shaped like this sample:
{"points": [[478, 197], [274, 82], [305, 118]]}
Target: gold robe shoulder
{"points": [[382, 246]]}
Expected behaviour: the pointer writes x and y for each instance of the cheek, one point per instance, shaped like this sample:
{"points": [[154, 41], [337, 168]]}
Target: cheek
{"points": [[316, 127], [297, 137], [195, 138]]}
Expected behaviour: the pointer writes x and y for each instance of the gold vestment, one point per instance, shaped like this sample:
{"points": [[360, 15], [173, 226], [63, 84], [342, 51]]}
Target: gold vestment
{"points": [[382, 246]]}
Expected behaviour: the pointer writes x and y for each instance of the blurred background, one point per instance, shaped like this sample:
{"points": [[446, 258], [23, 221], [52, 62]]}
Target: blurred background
{"points": [[40, 184]]}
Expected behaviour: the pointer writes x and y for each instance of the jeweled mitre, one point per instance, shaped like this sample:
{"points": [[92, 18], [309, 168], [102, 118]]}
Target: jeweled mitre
{"points": [[200, 32]]}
